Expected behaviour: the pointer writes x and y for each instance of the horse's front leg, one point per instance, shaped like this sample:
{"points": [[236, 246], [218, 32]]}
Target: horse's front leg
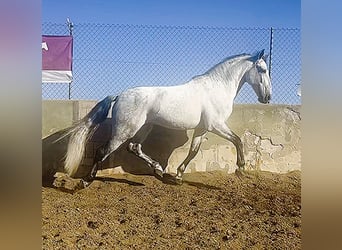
{"points": [[222, 130], [195, 145]]}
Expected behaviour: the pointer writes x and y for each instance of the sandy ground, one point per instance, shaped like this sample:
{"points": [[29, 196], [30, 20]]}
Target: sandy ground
{"points": [[212, 210]]}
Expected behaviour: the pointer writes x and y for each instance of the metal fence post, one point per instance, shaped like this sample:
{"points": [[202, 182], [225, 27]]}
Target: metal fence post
{"points": [[271, 50], [70, 27]]}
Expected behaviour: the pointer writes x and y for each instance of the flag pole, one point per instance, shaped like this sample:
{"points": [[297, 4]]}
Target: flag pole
{"points": [[70, 27]]}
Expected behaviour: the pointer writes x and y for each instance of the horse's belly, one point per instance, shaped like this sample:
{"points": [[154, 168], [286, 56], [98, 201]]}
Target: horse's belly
{"points": [[176, 118]]}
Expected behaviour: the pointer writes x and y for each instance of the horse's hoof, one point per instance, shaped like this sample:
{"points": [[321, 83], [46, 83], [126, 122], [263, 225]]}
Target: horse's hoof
{"points": [[159, 173], [239, 173], [85, 183], [178, 181]]}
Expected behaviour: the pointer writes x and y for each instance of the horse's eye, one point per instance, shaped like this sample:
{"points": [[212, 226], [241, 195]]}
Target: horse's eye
{"points": [[261, 70]]}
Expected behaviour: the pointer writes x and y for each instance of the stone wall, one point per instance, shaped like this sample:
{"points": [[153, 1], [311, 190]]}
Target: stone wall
{"points": [[270, 134]]}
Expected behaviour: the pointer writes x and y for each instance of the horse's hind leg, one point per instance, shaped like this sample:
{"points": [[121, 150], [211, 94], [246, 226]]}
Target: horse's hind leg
{"points": [[139, 133], [120, 134], [136, 148], [195, 145], [102, 153]]}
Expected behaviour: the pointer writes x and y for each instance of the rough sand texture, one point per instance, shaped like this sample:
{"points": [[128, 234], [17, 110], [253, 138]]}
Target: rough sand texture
{"points": [[211, 210]]}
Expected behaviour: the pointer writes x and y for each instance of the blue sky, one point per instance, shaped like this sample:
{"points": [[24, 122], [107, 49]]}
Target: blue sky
{"points": [[228, 13], [95, 74]]}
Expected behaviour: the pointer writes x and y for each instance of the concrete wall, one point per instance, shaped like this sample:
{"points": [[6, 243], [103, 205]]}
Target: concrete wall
{"points": [[270, 135]]}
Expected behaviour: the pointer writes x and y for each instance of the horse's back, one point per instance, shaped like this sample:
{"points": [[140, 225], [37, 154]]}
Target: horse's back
{"points": [[170, 106], [131, 102]]}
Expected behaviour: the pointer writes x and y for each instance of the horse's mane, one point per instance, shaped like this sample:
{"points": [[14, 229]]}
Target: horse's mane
{"points": [[230, 60]]}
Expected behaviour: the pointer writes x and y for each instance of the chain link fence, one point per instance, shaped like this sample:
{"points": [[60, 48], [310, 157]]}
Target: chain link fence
{"points": [[108, 59]]}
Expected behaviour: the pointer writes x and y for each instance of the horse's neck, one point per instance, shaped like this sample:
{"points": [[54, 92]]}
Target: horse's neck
{"points": [[235, 75], [228, 78]]}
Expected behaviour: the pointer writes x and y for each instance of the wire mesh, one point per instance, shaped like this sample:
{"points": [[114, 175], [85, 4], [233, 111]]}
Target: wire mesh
{"points": [[111, 58]]}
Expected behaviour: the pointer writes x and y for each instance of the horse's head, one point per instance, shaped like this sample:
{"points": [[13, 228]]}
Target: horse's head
{"points": [[258, 77]]}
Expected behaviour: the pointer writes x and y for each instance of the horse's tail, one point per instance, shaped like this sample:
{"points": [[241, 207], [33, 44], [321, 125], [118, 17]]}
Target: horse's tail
{"points": [[82, 131]]}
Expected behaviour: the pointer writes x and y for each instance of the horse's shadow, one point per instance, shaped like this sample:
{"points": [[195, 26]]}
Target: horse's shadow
{"points": [[171, 180], [118, 180], [201, 185], [53, 151], [159, 144], [166, 179]]}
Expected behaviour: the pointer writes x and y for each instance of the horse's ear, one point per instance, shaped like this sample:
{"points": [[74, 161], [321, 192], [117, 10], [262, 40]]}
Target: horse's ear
{"points": [[260, 54], [265, 57]]}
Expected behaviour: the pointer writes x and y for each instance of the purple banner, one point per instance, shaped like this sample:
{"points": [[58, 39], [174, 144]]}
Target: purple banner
{"points": [[57, 52]]}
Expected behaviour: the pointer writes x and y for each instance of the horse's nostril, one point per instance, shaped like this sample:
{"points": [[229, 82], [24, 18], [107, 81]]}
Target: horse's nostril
{"points": [[268, 98]]}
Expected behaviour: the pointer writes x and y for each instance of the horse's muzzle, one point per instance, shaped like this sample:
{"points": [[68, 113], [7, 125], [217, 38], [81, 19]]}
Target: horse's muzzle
{"points": [[266, 99]]}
